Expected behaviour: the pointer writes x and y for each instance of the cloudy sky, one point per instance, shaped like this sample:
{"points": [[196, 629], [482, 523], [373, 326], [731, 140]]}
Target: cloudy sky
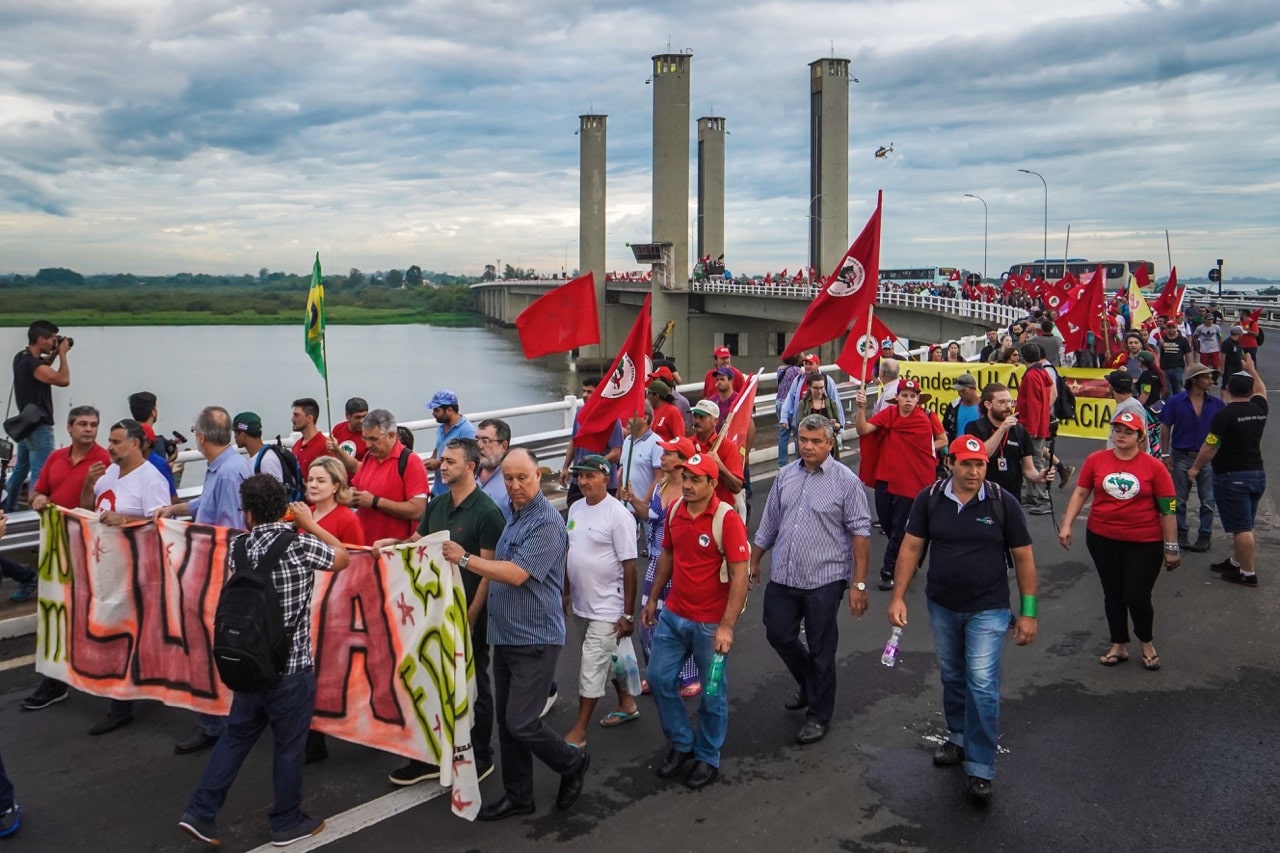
{"points": [[161, 137]]}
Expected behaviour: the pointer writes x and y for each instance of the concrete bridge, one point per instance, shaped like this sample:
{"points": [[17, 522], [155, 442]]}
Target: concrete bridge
{"points": [[753, 320]]}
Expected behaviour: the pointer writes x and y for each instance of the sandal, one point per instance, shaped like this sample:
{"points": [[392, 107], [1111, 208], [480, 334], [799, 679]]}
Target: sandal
{"points": [[617, 718], [691, 690], [1151, 663], [1111, 659]]}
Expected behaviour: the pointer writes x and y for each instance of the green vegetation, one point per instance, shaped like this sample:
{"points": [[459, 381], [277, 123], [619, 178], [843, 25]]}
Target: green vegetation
{"points": [[69, 299]]}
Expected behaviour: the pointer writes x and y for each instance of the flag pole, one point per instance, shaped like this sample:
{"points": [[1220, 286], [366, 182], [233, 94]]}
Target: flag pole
{"points": [[1066, 251], [631, 452], [871, 310], [729, 417], [1168, 249], [324, 352]]}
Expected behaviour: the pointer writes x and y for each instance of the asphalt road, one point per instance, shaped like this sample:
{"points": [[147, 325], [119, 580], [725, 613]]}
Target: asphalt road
{"points": [[1091, 758]]}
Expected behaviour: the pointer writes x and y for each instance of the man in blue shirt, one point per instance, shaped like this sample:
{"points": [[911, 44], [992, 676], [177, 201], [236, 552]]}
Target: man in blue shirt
{"points": [[1184, 424], [218, 505], [817, 522], [444, 408], [494, 437], [526, 632]]}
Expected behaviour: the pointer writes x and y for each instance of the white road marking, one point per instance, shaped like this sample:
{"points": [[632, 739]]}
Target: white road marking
{"points": [[26, 660], [366, 815]]}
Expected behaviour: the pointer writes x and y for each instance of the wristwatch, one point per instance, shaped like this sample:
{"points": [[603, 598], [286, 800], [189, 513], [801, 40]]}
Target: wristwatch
{"points": [[860, 587], [629, 617], [466, 558]]}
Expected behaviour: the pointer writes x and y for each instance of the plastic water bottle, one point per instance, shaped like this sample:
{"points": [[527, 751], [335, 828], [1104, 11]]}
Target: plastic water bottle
{"points": [[715, 678], [890, 655]]}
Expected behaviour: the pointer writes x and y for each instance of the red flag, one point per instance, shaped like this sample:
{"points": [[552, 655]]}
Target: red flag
{"points": [[1170, 298], [621, 393], [861, 350], [738, 421], [845, 293], [1084, 314], [561, 319], [1142, 276]]}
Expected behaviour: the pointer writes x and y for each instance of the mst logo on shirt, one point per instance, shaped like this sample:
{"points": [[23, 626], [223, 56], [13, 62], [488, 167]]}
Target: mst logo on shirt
{"points": [[1121, 485]]}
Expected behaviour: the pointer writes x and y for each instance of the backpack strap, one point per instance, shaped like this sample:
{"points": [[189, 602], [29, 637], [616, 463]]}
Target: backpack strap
{"points": [[257, 460], [717, 535], [403, 462]]}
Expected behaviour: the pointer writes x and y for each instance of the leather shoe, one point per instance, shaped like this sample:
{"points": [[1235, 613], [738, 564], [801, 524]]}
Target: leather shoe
{"points": [[504, 808], [1201, 544], [196, 740], [948, 754], [571, 784], [110, 723], [673, 762], [702, 775], [979, 790], [796, 702], [811, 732]]}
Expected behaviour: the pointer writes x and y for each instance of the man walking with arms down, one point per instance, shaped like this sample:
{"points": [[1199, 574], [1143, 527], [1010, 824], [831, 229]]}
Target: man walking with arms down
{"points": [[967, 592], [704, 555], [818, 524]]}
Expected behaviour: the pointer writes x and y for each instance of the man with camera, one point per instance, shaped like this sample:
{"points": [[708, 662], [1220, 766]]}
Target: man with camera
{"points": [[34, 376]]}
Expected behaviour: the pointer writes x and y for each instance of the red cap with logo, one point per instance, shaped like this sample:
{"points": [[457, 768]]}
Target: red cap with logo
{"points": [[702, 463], [722, 352], [682, 445], [908, 385], [967, 447], [1132, 420]]}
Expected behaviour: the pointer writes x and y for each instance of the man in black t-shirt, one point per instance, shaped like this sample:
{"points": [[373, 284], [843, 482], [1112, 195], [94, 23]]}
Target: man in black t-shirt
{"points": [[33, 379], [1234, 446], [1232, 352], [1175, 356], [1008, 443]]}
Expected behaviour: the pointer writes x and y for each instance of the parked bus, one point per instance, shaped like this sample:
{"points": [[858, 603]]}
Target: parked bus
{"points": [[917, 277], [1118, 272]]}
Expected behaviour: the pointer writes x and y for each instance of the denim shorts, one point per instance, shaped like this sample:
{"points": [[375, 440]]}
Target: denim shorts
{"points": [[1238, 494]]}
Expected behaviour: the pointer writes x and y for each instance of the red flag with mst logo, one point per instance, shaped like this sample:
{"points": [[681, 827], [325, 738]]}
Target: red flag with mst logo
{"points": [[846, 293], [861, 350], [561, 319], [620, 393]]}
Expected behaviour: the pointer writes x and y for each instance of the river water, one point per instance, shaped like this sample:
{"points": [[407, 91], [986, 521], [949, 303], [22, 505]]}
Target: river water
{"points": [[264, 368]]}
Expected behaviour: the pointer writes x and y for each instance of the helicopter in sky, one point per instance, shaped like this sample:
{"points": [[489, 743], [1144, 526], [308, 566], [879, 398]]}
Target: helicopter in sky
{"points": [[883, 152]]}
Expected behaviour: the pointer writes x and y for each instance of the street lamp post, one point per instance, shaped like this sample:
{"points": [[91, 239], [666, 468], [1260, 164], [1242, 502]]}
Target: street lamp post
{"points": [[814, 236], [565, 264], [984, 232], [1046, 223]]}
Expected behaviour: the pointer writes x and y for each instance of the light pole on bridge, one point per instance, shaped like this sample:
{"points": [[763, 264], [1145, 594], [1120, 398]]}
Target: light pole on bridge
{"points": [[984, 233], [1046, 223]]}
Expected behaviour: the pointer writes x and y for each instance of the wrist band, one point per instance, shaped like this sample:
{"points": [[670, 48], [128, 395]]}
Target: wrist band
{"points": [[374, 503], [1029, 606], [1172, 548]]}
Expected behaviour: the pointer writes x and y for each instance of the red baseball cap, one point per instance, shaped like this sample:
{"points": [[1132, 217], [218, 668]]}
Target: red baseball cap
{"points": [[682, 445], [812, 358], [722, 352], [702, 463], [1132, 420], [663, 373], [967, 447], [149, 433], [908, 385]]}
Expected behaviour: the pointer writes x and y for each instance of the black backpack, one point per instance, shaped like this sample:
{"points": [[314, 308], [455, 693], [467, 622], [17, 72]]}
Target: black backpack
{"points": [[250, 641], [995, 495], [294, 480], [1064, 408]]}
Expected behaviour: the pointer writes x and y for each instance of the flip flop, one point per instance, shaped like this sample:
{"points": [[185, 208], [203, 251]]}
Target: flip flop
{"points": [[1114, 660], [1152, 663], [616, 718]]}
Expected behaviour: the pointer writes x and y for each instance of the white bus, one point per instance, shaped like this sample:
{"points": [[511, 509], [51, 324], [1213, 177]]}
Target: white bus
{"points": [[1118, 272], [916, 277]]}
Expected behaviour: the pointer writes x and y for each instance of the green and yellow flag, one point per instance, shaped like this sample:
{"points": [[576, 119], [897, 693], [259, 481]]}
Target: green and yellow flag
{"points": [[315, 319]]}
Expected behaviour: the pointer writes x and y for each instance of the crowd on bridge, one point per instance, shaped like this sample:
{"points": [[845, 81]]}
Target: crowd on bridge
{"points": [[672, 491]]}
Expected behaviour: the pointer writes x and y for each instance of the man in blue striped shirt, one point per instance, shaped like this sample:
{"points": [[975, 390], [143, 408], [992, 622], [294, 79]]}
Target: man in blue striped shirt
{"points": [[526, 632], [818, 524]]}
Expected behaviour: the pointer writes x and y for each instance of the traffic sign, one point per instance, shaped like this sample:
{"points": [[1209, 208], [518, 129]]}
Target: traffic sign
{"points": [[1214, 274]]}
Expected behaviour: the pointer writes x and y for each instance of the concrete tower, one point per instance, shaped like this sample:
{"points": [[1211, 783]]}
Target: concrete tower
{"points": [[671, 199], [828, 163], [710, 218], [591, 214]]}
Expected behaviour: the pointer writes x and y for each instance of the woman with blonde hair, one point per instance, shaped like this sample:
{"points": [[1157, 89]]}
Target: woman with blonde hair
{"points": [[328, 494]]}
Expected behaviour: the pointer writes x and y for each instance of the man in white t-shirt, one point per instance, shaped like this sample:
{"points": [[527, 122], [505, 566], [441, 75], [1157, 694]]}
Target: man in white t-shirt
{"points": [[601, 583], [130, 489], [640, 466]]}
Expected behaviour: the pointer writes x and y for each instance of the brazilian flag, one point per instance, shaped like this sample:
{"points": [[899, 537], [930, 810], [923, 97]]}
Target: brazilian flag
{"points": [[315, 319]]}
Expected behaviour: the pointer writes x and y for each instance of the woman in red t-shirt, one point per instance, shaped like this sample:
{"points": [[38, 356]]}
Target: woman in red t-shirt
{"points": [[327, 492], [1131, 532]]}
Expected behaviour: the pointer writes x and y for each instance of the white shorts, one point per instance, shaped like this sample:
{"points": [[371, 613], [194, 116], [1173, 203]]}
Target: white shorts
{"points": [[599, 645]]}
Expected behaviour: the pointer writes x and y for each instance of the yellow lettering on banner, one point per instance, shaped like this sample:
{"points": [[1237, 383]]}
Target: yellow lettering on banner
{"points": [[52, 630]]}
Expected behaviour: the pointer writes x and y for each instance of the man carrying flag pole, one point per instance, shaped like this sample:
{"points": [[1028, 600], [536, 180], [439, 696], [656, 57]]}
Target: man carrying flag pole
{"points": [[314, 332]]}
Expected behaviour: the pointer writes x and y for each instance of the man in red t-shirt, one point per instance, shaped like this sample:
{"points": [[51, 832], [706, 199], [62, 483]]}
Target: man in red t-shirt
{"points": [[707, 568], [311, 446], [389, 503], [723, 356], [727, 455], [1035, 407], [668, 421], [64, 473], [898, 446], [346, 443]]}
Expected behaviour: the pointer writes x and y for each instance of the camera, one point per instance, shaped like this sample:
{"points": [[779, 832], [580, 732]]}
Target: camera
{"points": [[70, 341], [179, 438]]}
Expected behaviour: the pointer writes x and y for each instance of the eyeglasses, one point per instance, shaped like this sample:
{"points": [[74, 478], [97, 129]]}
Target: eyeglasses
{"points": [[482, 441]]}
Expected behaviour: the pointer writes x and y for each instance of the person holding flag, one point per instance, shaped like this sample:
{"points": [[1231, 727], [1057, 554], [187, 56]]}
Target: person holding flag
{"points": [[313, 336]]}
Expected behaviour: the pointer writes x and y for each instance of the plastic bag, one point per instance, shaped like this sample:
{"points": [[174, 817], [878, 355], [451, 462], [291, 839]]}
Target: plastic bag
{"points": [[626, 669]]}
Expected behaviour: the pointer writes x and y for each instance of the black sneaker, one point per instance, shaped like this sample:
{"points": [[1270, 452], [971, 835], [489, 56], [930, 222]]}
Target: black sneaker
{"points": [[948, 755], [1223, 567], [885, 584], [49, 692], [979, 790], [1237, 576], [1201, 545], [413, 773]]}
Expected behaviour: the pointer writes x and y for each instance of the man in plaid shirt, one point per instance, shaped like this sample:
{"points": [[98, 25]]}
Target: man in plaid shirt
{"points": [[288, 706]]}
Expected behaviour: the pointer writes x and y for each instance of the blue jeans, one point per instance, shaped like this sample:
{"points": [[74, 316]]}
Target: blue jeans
{"points": [[29, 458], [1238, 496], [1174, 375], [969, 647], [1182, 460], [287, 708], [812, 663], [19, 572], [673, 641], [784, 439]]}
